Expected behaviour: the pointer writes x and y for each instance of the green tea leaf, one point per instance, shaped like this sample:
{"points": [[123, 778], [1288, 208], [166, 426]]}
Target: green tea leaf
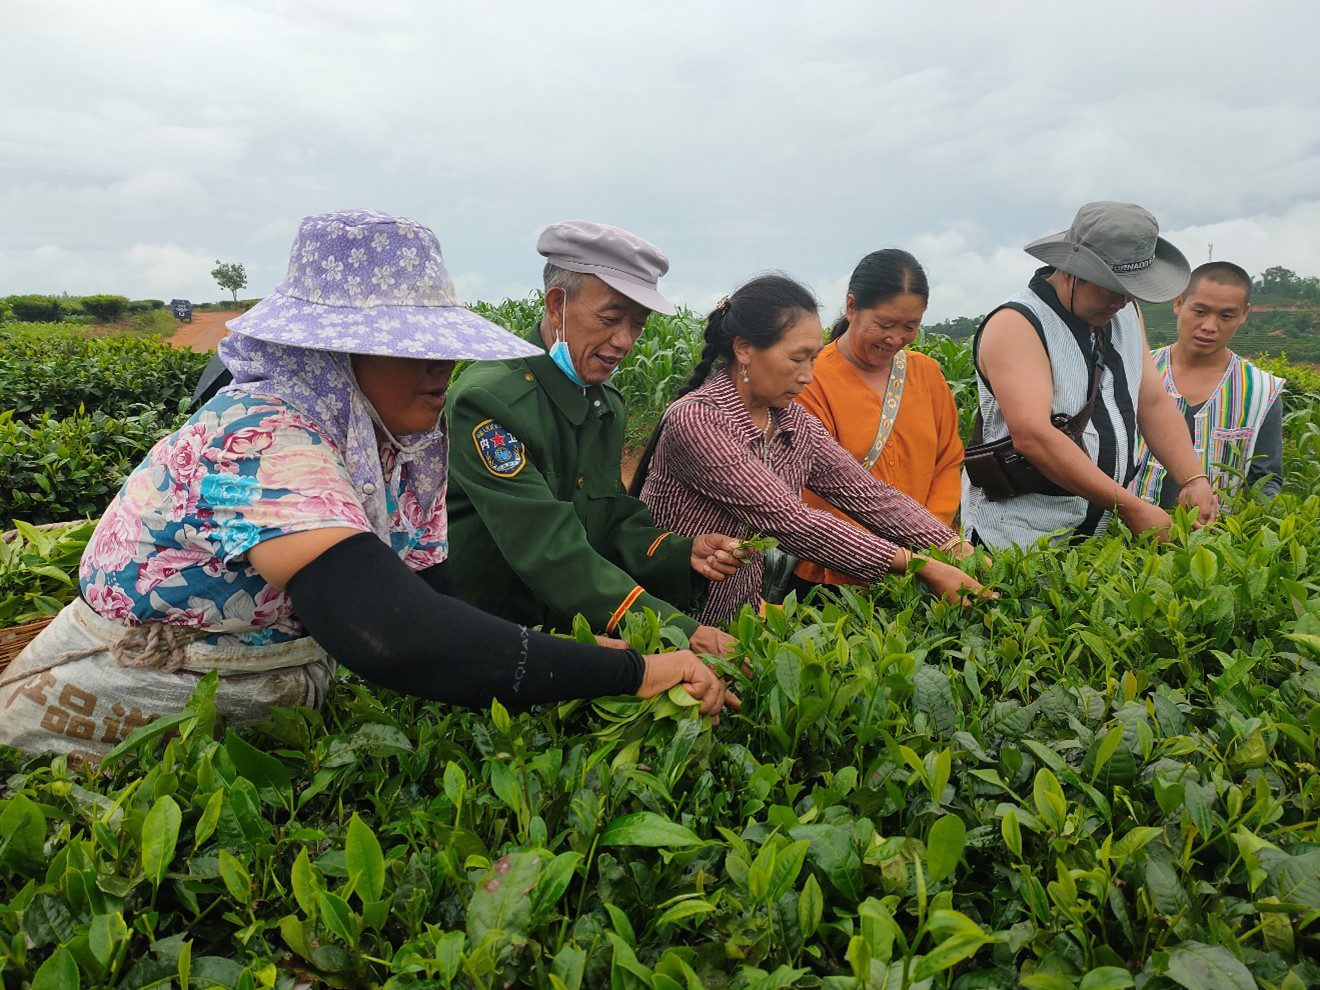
{"points": [[948, 954], [304, 883], [1106, 978], [1204, 566], [689, 908], [810, 908], [502, 898], [552, 881], [364, 860], [210, 817], [335, 913], [1048, 796], [1012, 832], [22, 831], [272, 778], [645, 828], [237, 879], [944, 846], [1198, 966], [160, 836], [59, 972]]}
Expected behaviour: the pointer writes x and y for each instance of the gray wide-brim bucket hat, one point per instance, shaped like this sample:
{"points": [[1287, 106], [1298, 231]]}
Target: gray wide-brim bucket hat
{"points": [[619, 258], [361, 282], [1117, 246]]}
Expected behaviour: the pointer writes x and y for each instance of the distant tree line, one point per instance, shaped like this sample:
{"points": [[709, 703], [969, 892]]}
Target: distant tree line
{"points": [[100, 308], [1283, 285]]}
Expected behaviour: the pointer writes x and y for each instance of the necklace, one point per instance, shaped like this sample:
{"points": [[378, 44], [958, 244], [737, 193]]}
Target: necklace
{"points": [[765, 437]]}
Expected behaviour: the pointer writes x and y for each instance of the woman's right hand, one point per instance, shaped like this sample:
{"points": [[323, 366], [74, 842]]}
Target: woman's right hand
{"points": [[664, 670], [950, 583]]}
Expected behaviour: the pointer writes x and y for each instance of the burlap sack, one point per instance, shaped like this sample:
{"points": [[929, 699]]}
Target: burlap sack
{"points": [[86, 682]]}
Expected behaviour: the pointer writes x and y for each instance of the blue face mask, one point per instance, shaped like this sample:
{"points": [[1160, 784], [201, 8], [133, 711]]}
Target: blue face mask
{"points": [[560, 356]]}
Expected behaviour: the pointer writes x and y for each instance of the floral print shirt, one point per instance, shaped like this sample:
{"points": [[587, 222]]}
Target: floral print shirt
{"points": [[172, 547]]}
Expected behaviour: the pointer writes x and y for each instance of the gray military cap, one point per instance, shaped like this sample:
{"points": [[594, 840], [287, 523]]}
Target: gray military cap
{"points": [[621, 260]]}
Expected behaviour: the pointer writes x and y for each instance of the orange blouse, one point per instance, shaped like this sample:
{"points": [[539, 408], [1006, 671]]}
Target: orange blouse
{"points": [[923, 456]]}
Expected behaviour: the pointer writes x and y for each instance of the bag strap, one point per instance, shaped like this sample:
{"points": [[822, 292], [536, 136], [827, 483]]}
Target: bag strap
{"points": [[1074, 425], [1100, 347], [889, 405]]}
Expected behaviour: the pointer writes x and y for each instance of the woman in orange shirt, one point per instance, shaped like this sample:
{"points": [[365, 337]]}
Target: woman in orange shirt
{"points": [[890, 408]]}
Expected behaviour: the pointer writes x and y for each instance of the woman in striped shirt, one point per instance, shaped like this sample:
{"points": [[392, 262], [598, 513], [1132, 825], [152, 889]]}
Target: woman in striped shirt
{"points": [[734, 452]]}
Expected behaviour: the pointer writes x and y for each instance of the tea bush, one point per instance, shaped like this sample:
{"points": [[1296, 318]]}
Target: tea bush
{"points": [[35, 308], [54, 469], [1106, 778], [39, 571], [106, 308], [78, 413], [55, 370]]}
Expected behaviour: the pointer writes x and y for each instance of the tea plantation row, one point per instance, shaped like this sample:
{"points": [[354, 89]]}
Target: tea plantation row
{"points": [[1106, 778], [77, 413]]}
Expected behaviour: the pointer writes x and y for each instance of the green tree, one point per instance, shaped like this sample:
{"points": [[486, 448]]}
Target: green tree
{"points": [[1278, 278], [230, 275]]}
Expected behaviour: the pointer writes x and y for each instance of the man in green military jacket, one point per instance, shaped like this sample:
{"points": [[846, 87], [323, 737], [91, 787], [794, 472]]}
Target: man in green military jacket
{"points": [[540, 525]]}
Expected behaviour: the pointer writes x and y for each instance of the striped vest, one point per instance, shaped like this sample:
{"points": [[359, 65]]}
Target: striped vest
{"points": [[1224, 429], [1110, 438]]}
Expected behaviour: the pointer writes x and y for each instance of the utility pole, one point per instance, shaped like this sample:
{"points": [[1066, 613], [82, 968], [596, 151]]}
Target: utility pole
{"points": [[1211, 255]]}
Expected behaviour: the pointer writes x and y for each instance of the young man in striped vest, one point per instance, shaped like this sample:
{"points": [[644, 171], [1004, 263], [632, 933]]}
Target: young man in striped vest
{"points": [[1066, 383], [1231, 406]]}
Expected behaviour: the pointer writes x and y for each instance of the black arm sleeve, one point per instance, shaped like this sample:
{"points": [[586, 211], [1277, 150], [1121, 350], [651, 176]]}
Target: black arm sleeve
{"points": [[388, 626], [440, 578]]}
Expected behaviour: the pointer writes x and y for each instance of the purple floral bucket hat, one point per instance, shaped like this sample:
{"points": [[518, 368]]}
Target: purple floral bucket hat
{"points": [[362, 282]]}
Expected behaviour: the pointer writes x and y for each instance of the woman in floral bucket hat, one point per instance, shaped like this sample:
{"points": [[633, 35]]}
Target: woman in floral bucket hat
{"points": [[298, 519]]}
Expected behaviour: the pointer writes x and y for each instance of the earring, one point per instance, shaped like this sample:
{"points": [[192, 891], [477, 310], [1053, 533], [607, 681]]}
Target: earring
{"points": [[744, 374]]}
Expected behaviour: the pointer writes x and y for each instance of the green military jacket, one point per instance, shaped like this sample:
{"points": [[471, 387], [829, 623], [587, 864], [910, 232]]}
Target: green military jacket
{"points": [[540, 527]]}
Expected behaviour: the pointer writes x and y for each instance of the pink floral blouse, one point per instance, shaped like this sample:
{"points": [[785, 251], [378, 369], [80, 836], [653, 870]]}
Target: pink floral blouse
{"points": [[172, 547]]}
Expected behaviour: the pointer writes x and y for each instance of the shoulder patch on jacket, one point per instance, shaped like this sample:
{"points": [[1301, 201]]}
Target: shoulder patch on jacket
{"points": [[499, 450]]}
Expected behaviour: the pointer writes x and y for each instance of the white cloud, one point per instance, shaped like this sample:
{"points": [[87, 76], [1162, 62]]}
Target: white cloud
{"points": [[1290, 238], [739, 136]]}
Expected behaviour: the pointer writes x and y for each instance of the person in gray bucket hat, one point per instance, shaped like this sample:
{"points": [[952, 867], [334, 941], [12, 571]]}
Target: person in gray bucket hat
{"points": [[1066, 387], [1117, 246], [298, 519], [543, 529]]}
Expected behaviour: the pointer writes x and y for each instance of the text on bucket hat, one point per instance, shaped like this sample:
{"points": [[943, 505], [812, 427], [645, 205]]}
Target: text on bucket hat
{"points": [[620, 259], [363, 282], [1117, 246]]}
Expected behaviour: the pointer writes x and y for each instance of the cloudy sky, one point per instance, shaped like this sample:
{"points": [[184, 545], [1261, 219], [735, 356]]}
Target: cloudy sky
{"points": [[140, 141]]}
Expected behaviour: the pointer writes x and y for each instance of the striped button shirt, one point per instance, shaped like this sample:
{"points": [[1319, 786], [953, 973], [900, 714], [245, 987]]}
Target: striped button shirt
{"points": [[715, 471]]}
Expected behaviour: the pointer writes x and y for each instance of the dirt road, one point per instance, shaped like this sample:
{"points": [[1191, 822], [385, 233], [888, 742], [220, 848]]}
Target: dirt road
{"points": [[203, 333]]}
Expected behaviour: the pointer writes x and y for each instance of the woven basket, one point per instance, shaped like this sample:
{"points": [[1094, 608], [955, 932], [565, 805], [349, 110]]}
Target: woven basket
{"points": [[14, 639]]}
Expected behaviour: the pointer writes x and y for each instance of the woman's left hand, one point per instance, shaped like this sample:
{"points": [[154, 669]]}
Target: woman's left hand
{"points": [[716, 557], [948, 582], [963, 549]]}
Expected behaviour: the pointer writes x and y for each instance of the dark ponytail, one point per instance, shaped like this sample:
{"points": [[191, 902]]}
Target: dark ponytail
{"points": [[760, 312], [880, 276]]}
